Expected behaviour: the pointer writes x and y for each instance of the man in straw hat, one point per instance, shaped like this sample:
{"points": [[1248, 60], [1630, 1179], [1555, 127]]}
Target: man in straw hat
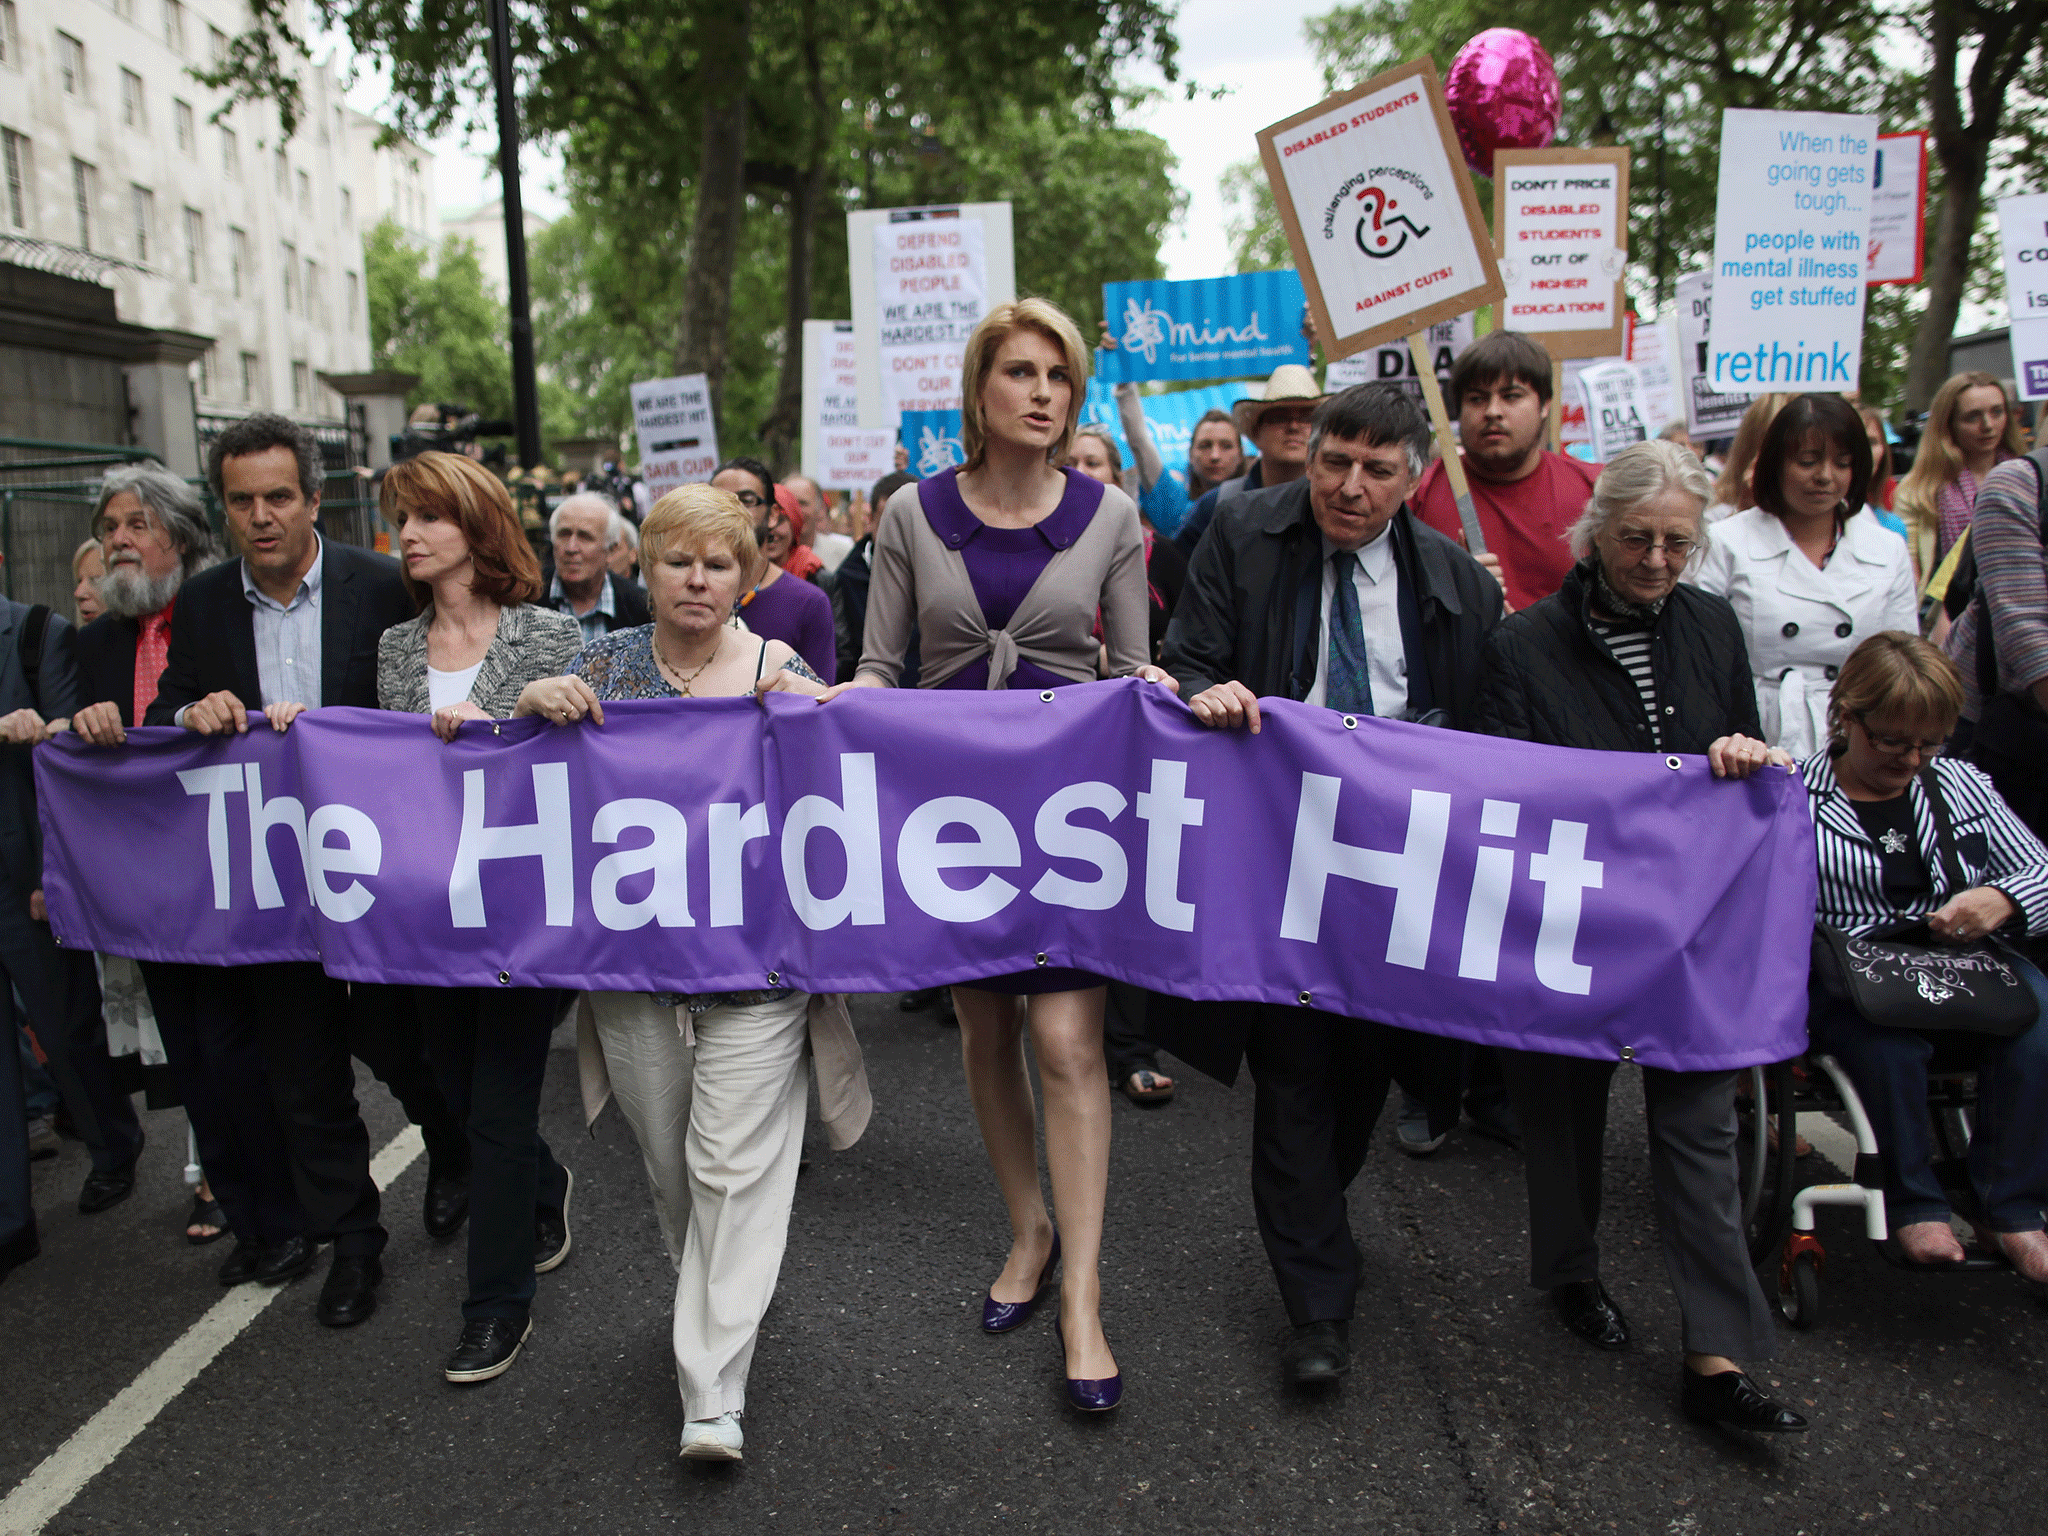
{"points": [[1277, 423]]}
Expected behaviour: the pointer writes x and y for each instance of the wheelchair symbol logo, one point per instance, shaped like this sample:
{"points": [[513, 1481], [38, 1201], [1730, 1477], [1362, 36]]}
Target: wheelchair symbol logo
{"points": [[1378, 236], [936, 452]]}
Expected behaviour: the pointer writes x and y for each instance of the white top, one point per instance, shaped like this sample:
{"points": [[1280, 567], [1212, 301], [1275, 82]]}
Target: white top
{"points": [[1800, 621], [445, 688], [1379, 614], [831, 548]]}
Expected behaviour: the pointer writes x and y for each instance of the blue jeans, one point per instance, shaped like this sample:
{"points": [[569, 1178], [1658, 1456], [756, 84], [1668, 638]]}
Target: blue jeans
{"points": [[2008, 1159]]}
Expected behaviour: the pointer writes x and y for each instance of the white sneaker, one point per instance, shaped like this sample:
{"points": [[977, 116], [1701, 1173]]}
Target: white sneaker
{"points": [[716, 1439]]}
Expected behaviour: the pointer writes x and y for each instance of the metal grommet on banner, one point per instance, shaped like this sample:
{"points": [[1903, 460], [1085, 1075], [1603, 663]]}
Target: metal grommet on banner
{"points": [[1303, 999], [56, 940], [1045, 697], [775, 978], [504, 978], [1674, 764], [1628, 1053], [1351, 722], [497, 728], [1041, 957]]}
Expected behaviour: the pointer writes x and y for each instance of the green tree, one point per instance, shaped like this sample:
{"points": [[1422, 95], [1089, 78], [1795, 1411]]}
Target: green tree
{"points": [[437, 319]]}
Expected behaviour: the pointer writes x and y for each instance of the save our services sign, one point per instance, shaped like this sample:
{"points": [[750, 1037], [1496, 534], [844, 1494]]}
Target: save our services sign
{"points": [[1207, 328]]}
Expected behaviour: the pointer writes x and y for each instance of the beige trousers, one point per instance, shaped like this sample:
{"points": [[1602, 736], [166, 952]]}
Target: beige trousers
{"points": [[720, 1124]]}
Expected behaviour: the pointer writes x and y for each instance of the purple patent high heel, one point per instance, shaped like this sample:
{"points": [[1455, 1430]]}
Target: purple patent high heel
{"points": [[1002, 1316], [1089, 1395]]}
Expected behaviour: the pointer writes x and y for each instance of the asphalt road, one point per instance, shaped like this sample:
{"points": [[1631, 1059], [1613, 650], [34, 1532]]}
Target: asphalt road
{"points": [[876, 1403]]}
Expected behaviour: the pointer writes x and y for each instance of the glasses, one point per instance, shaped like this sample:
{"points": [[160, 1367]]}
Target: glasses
{"points": [[1899, 746], [1677, 549], [751, 498]]}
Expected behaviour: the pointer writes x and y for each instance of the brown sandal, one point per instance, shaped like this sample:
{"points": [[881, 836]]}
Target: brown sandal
{"points": [[1145, 1086]]}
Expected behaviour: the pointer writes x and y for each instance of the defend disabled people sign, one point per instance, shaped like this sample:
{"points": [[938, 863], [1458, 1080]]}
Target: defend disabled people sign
{"points": [[672, 422], [1386, 232], [1560, 224], [922, 278], [1211, 327], [1791, 226]]}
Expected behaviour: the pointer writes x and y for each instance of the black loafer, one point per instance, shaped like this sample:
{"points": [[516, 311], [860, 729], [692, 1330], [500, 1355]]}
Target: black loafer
{"points": [[286, 1261], [447, 1204], [1316, 1354], [1731, 1399], [350, 1292], [239, 1267], [551, 1230], [487, 1348], [104, 1191], [1590, 1312]]}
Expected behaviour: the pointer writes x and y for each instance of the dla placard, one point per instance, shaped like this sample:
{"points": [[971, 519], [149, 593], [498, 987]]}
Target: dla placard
{"points": [[1898, 210], [1386, 232], [1709, 413], [1613, 396], [831, 385], [922, 278], [1394, 363], [1791, 225], [678, 442], [1560, 224]]}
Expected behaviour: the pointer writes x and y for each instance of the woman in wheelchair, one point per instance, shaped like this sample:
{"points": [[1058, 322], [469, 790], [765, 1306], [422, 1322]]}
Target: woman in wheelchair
{"points": [[1895, 703]]}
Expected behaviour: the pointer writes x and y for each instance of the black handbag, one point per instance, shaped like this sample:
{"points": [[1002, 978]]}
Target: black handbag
{"points": [[1903, 977]]}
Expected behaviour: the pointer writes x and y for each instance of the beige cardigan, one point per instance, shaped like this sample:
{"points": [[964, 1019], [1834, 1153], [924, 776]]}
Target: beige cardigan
{"points": [[918, 581]]}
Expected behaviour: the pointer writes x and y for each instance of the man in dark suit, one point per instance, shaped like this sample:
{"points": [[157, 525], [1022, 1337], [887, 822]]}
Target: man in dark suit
{"points": [[580, 582], [1325, 590]]}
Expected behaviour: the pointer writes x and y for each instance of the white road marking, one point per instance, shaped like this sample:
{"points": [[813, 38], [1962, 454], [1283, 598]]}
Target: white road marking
{"points": [[1830, 1141], [40, 1496]]}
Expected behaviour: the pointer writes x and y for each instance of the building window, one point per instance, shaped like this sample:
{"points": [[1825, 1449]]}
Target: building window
{"points": [[195, 243], [284, 174], [340, 132], [184, 126], [302, 386], [291, 277], [143, 202], [230, 160], [15, 150], [316, 297], [10, 36], [174, 25], [238, 259], [217, 46], [125, 9], [133, 112], [348, 208], [305, 194], [71, 64], [249, 369], [354, 286], [84, 189]]}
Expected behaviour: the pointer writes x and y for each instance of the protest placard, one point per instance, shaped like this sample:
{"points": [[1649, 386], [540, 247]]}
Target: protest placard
{"points": [[1709, 413], [678, 442], [1211, 327], [1612, 392], [1791, 226], [1387, 235], [1653, 348], [922, 278], [2023, 241], [932, 439], [831, 396], [1560, 226], [1898, 210], [2030, 359], [854, 458], [1393, 362]]}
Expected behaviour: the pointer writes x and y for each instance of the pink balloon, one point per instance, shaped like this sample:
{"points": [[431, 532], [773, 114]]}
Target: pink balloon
{"points": [[1503, 94]]}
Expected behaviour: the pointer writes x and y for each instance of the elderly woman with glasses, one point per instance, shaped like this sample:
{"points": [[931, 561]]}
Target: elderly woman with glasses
{"points": [[1623, 657], [1895, 703]]}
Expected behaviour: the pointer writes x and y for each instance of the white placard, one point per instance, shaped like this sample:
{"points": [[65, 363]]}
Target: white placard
{"points": [[1898, 210], [854, 458], [1571, 400], [1708, 413], [678, 442], [922, 278], [1653, 348], [1394, 362], [831, 384], [1562, 241], [2030, 358], [2023, 239], [1613, 396], [1791, 225]]}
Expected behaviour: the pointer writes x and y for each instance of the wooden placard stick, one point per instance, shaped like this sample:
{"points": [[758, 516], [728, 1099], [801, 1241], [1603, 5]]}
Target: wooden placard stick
{"points": [[1440, 419]]}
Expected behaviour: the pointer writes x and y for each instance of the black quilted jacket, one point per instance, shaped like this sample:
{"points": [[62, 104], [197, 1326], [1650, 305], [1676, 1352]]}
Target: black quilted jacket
{"points": [[1548, 677]]}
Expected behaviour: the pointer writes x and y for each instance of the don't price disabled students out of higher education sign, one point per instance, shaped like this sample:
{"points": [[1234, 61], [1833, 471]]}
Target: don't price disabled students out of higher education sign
{"points": [[1791, 227]]}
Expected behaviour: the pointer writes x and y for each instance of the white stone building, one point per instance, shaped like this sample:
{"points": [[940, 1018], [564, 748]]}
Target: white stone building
{"points": [[395, 181], [484, 227]]}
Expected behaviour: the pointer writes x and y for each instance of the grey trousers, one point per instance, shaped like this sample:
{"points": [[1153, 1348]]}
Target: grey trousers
{"points": [[1562, 1103], [720, 1122]]}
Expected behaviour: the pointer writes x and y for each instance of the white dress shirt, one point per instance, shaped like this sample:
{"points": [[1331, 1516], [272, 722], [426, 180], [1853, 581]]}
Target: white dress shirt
{"points": [[1379, 613]]}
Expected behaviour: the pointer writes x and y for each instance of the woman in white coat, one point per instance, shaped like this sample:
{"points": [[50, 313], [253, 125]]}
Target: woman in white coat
{"points": [[1810, 573]]}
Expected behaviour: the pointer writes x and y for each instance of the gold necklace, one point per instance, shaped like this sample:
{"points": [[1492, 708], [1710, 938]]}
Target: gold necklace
{"points": [[675, 671]]}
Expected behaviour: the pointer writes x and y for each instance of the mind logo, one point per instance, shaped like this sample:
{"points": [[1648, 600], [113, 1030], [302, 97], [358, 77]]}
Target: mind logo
{"points": [[1383, 232]]}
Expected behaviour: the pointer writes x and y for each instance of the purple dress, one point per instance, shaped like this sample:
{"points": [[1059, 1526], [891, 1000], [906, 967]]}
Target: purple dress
{"points": [[800, 616], [1003, 564]]}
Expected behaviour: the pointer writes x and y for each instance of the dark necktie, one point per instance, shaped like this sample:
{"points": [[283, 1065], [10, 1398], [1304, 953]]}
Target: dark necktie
{"points": [[1350, 677]]}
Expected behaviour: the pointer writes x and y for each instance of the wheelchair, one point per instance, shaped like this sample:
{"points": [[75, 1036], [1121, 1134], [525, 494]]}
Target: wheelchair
{"points": [[1779, 1213]]}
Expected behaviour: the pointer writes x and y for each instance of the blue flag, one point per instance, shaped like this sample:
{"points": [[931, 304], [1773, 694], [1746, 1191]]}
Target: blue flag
{"points": [[1213, 327]]}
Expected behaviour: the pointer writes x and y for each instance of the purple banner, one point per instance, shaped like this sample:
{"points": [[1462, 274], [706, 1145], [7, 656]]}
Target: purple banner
{"points": [[1594, 904]]}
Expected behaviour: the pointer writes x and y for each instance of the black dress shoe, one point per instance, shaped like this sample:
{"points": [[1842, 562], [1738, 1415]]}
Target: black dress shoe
{"points": [[487, 1348], [1730, 1398], [1590, 1312], [286, 1261], [104, 1191], [551, 1230], [239, 1266], [350, 1292], [1316, 1354], [917, 1002], [19, 1249], [447, 1202]]}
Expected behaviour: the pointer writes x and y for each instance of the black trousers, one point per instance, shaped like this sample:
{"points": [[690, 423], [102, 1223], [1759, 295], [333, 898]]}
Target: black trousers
{"points": [[489, 1049], [386, 1034], [1123, 1032], [1321, 1081], [61, 991]]}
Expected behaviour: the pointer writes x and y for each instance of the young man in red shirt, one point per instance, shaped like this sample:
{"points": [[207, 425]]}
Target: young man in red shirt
{"points": [[1526, 496]]}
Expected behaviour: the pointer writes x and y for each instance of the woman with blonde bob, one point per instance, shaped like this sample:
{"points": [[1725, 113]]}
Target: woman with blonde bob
{"points": [[1002, 564], [1971, 429], [1879, 849], [713, 1084], [480, 638]]}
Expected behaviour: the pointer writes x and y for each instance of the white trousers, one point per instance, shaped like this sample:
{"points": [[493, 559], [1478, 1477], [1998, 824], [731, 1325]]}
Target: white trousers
{"points": [[721, 1126]]}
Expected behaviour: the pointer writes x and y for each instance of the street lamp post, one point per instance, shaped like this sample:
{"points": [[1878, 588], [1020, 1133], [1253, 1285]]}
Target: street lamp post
{"points": [[525, 392]]}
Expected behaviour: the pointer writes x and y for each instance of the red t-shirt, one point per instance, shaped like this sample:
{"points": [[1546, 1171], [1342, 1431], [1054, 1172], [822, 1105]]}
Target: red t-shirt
{"points": [[1524, 520]]}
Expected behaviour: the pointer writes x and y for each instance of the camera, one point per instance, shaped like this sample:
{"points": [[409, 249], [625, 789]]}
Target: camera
{"points": [[446, 427]]}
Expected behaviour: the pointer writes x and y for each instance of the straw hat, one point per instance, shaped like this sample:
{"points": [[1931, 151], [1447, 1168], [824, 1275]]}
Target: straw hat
{"points": [[1290, 382]]}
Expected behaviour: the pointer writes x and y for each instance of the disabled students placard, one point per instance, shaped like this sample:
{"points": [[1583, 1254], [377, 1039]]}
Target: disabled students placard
{"points": [[1791, 229]]}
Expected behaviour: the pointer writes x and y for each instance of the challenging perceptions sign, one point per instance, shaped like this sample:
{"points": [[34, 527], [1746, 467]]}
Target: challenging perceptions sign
{"points": [[1613, 905], [1207, 328]]}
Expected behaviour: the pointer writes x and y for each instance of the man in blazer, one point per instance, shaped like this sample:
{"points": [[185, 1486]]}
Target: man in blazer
{"points": [[1329, 591], [579, 580]]}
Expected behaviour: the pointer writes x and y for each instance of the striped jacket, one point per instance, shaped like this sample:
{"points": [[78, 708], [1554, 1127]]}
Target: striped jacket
{"points": [[532, 642], [1993, 846]]}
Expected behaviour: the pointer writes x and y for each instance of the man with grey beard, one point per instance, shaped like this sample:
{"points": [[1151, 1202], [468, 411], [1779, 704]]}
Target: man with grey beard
{"points": [[153, 534]]}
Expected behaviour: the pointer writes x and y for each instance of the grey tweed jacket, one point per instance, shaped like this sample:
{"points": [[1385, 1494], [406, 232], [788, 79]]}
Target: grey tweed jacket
{"points": [[532, 642]]}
